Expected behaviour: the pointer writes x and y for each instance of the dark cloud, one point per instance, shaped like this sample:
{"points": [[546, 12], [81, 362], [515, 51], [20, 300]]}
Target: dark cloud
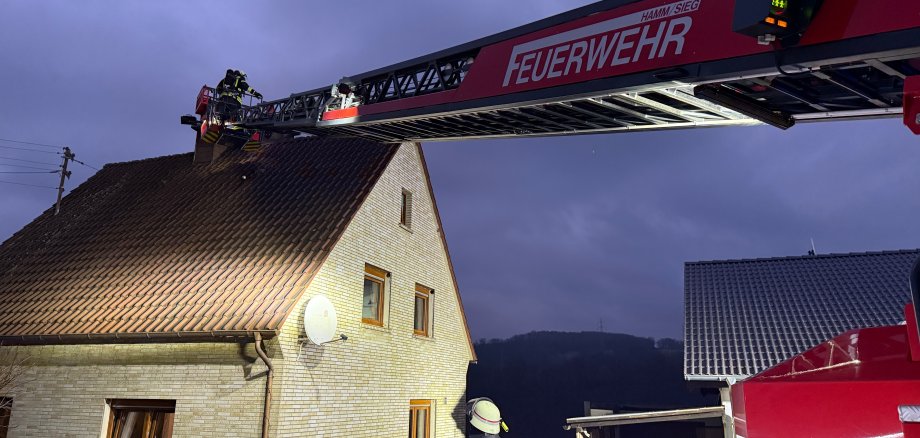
{"points": [[563, 233], [554, 233]]}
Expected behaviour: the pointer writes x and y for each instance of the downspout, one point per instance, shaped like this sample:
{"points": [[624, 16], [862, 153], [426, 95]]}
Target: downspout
{"points": [[266, 411]]}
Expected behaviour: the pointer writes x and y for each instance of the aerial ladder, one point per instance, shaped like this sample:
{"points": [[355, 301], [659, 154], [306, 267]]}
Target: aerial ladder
{"points": [[628, 65], [638, 65]]}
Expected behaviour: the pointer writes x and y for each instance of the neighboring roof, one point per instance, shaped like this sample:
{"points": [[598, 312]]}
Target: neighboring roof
{"points": [[743, 316], [165, 248]]}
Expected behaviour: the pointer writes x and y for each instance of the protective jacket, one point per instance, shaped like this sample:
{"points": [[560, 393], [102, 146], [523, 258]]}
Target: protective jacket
{"points": [[234, 85]]}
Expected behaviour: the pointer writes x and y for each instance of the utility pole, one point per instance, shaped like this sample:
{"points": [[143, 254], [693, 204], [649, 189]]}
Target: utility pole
{"points": [[68, 155]]}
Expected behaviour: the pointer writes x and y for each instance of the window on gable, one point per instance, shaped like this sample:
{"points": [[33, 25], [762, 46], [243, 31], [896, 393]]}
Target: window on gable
{"points": [[419, 418], [372, 305], [422, 318], [141, 418], [6, 409], [405, 211]]}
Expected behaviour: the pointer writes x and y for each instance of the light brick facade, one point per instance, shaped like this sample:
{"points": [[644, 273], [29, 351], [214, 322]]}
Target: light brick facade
{"points": [[218, 388], [359, 387]]}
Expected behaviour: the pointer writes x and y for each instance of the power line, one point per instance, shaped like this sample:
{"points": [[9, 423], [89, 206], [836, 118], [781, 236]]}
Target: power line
{"points": [[28, 161], [16, 171], [23, 166], [30, 150], [46, 152], [24, 184], [80, 162], [33, 144]]}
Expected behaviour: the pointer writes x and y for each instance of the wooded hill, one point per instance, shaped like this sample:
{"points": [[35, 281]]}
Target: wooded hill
{"points": [[541, 378]]}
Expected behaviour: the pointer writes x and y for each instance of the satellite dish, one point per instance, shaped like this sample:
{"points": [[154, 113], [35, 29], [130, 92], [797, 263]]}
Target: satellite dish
{"points": [[485, 416], [319, 320]]}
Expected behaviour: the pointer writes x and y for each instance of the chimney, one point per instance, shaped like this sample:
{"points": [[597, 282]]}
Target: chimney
{"points": [[205, 153]]}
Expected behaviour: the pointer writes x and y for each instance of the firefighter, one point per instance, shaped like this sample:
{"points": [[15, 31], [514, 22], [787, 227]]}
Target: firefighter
{"points": [[231, 89], [234, 85]]}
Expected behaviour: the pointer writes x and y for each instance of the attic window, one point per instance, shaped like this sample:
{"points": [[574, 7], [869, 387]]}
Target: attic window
{"points": [[405, 211]]}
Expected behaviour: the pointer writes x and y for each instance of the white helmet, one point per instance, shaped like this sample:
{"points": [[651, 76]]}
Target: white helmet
{"points": [[485, 416]]}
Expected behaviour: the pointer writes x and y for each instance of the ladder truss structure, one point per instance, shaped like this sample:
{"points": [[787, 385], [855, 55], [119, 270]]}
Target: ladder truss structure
{"points": [[620, 66]]}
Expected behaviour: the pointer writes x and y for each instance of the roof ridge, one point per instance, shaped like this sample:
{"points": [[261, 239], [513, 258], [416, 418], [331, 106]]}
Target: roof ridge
{"points": [[806, 256], [285, 142], [140, 160]]}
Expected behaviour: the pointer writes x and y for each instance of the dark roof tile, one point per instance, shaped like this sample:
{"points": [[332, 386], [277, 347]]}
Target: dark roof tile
{"points": [[162, 246], [743, 316]]}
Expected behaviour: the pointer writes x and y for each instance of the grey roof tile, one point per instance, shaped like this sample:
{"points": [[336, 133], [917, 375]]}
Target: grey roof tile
{"points": [[744, 316]]}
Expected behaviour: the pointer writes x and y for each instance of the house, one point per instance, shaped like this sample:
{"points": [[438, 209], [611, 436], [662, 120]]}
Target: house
{"points": [[744, 316], [167, 299]]}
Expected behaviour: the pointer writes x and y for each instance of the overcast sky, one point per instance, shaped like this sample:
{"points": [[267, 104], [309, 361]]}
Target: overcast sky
{"points": [[546, 234]]}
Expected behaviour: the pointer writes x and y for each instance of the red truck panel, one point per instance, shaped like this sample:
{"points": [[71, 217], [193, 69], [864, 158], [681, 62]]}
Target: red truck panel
{"points": [[649, 35], [848, 387]]}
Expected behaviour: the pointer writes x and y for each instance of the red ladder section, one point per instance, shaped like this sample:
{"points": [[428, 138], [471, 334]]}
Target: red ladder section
{"points": [[625, 65]]}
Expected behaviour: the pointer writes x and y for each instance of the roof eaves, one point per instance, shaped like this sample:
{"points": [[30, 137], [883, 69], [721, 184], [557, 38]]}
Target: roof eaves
{"points": [[714, 378], [136, 338]]}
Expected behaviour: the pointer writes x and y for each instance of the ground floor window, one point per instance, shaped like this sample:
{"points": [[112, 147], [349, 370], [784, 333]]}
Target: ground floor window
{"points": [[419, 418], [6, 408], [141, 418]]}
